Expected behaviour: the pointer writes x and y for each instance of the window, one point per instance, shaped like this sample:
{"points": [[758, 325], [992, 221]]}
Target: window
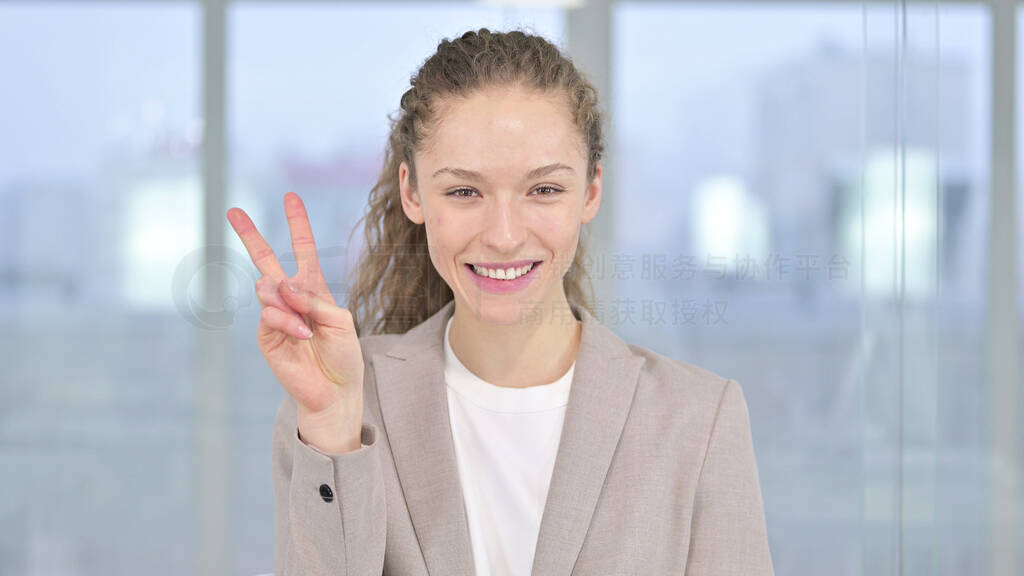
{"points": [[800, 198], [101, 197], [758, 146]]}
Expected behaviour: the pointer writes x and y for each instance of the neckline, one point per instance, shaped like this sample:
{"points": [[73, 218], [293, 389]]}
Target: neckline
{"points": [[504, 399]]}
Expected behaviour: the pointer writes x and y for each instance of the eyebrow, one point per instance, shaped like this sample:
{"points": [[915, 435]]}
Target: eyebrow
{"points": [[535, 173]]}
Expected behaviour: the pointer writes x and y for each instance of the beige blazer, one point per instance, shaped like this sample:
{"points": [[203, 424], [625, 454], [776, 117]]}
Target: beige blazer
{"points": [[655, 472]]}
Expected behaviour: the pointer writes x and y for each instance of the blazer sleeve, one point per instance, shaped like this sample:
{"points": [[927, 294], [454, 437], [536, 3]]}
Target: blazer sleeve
{"points": [[728, 533], [329, 509]]}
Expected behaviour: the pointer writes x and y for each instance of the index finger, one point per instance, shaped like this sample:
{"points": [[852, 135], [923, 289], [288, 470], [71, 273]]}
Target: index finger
{"points": [[303, 243], [261, 253]]}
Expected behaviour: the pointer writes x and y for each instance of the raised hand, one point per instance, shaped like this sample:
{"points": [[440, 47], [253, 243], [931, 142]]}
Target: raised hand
{"points": [[309, 341]]}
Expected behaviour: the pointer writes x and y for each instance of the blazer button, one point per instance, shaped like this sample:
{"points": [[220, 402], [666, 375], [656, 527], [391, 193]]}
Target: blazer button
{"points": [[326, 493]]}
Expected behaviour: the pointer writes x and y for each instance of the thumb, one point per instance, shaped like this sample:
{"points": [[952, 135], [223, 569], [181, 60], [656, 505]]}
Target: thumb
{"points": [[320, 310]]}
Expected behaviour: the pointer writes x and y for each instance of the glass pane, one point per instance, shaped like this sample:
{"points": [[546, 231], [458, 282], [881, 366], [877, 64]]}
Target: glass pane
{"points": [[811, 182], [310, 89], [101, 195]]}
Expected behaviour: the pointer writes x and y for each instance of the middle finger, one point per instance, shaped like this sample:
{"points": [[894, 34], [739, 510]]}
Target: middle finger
{"points": [[261, 253]]}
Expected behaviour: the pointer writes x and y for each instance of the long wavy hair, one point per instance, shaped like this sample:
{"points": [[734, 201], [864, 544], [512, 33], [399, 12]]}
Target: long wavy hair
{"points": [[396, 285]]}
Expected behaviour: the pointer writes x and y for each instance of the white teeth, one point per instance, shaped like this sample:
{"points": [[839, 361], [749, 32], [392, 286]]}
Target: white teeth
{"points": [[506, 274]]}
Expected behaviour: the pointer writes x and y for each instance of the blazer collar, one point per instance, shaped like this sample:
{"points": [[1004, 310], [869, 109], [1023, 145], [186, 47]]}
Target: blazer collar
{"points": [[413, 400]]}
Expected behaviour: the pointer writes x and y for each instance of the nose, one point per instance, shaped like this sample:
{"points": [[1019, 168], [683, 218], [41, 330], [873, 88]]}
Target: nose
{"points": [[503, 227]]}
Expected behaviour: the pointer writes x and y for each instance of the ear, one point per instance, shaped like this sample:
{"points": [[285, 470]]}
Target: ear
{"points": [[593, 197], [411, 203]]}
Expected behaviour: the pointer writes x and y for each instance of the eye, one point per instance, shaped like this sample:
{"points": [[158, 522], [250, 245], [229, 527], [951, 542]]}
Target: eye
{"points": [[552, 190], [458, 192]]}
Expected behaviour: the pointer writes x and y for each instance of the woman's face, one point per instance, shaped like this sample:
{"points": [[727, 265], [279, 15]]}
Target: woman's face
{"points": [[502, 180]]}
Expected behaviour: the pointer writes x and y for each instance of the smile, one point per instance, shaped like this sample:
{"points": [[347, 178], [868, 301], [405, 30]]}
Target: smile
{"points": [[504, 280]]}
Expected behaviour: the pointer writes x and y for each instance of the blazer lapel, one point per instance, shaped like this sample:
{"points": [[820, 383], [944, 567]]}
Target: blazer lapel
{"points": [[600, 397], [414, 405]]}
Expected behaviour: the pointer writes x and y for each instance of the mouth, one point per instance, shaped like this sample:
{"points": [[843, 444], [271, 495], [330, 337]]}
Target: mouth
{"points": [[517, 264], [502, 285]]}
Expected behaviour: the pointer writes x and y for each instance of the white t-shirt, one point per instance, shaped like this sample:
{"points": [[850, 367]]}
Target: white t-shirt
{"points": [[505, 440]]}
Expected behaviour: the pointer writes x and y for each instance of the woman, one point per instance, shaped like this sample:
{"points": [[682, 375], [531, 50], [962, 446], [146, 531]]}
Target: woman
{"points": [[487, 423]]}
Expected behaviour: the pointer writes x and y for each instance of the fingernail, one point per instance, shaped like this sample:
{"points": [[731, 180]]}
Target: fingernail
{"points": [[293, 288], [305, 331]]}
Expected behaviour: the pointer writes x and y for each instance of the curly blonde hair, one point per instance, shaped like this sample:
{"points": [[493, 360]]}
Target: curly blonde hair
{"points": [[396, 285]]}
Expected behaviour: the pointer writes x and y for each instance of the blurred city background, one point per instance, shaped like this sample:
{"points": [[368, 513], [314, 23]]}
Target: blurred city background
{"points": [[819, 199]]}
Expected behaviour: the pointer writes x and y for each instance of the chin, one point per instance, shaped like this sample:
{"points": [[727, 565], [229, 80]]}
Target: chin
{"points": [[508, 313]]}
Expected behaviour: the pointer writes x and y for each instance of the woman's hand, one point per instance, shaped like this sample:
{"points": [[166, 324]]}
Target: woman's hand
{"points": [[309, 341]]}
